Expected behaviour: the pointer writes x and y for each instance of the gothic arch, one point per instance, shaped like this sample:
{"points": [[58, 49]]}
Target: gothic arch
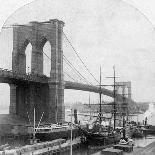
{"points": [[46, 50], [28, 55], [38, 33], [25, 44], [43, 41], [124, 86]]}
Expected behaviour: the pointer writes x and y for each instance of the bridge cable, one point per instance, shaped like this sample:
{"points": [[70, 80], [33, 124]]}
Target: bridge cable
{"points": [[71, 77], [80, 75], [68, 64], [80, 58], [71, 65], [6, 27], [53, 61]]}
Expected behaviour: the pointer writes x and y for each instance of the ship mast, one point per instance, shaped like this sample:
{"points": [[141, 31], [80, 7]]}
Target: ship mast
{"points": [[114, 98], [89, 107], [100, 112]]}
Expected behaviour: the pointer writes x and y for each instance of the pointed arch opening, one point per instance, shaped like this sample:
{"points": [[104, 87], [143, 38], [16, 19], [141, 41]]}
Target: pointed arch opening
{"points": [[126, 91], [47, 58], [28, 53]]}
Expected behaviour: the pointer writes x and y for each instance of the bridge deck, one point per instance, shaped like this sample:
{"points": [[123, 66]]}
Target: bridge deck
{"points": [[8, 76]]}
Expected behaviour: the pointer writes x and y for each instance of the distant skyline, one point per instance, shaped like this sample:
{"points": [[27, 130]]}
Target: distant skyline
{"points": [[104, 32]]}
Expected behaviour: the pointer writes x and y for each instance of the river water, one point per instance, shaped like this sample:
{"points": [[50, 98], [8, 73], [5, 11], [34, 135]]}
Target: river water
{"points": [[138, 143], [85, 118], [150, 114]]}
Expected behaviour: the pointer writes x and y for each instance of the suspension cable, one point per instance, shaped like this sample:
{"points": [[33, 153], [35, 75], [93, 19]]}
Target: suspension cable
{"points": [[5, 27], [66, 60], [79, 74], [80, 58], [70, 77], [53, 61]]}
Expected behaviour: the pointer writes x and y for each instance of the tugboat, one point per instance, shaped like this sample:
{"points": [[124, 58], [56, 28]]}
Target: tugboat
{"points": [[101, 135], [49, 132]]}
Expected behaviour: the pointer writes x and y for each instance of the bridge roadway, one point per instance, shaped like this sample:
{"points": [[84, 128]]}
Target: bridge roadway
{"points": [[8, 76]]}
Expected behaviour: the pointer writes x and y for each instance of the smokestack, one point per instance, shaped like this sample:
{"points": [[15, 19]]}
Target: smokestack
{"points": [[75, 116]]}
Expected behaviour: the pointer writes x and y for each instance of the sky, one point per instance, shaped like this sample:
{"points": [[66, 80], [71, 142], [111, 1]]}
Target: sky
{"points": [[104, 33]]}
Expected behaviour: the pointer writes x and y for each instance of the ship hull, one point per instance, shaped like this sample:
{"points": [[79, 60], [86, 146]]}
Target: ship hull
{"points": [[100, 140], [48, 136]]}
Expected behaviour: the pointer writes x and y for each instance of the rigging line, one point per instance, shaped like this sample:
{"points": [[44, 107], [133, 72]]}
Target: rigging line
{"points": [[71, 65], [80, 58]]}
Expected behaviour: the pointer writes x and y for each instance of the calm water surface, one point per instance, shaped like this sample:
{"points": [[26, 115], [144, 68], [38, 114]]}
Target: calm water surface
{"points": [[138, 142]]}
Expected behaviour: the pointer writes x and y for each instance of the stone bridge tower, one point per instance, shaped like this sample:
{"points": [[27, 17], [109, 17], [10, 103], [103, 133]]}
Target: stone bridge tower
{"points": [[124, 86], [47, 98], [125, 90]]}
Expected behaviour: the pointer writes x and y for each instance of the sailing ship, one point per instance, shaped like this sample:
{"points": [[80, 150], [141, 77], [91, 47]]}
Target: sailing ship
{"points": [[101, 135]]}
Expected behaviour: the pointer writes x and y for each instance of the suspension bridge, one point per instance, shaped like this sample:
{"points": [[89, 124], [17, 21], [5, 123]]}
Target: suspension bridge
{"points": [[34, 89]]}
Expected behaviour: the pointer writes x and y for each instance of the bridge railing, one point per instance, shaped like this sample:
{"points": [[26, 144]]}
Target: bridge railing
{"points": [[26, 77]]}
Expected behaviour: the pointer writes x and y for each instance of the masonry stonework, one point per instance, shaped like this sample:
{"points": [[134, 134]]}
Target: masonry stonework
{"points": [[47, 98]]}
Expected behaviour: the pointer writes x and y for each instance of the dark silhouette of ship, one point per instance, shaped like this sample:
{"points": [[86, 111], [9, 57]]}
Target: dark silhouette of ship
{"points": [[101, 135]]}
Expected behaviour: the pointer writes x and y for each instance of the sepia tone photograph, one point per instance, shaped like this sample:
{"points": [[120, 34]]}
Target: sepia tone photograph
{"points": [[77, 77]]}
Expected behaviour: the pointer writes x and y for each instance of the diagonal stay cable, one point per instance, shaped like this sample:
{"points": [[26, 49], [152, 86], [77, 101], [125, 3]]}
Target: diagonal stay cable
{"points": [[70, 77], [79, 74], [53, 61], [70, 66], [64, 71], [5, 27], [80, 58]]}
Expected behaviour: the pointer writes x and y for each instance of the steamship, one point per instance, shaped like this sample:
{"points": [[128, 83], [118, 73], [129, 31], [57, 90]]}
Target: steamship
{"points": [[55, 131]]}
